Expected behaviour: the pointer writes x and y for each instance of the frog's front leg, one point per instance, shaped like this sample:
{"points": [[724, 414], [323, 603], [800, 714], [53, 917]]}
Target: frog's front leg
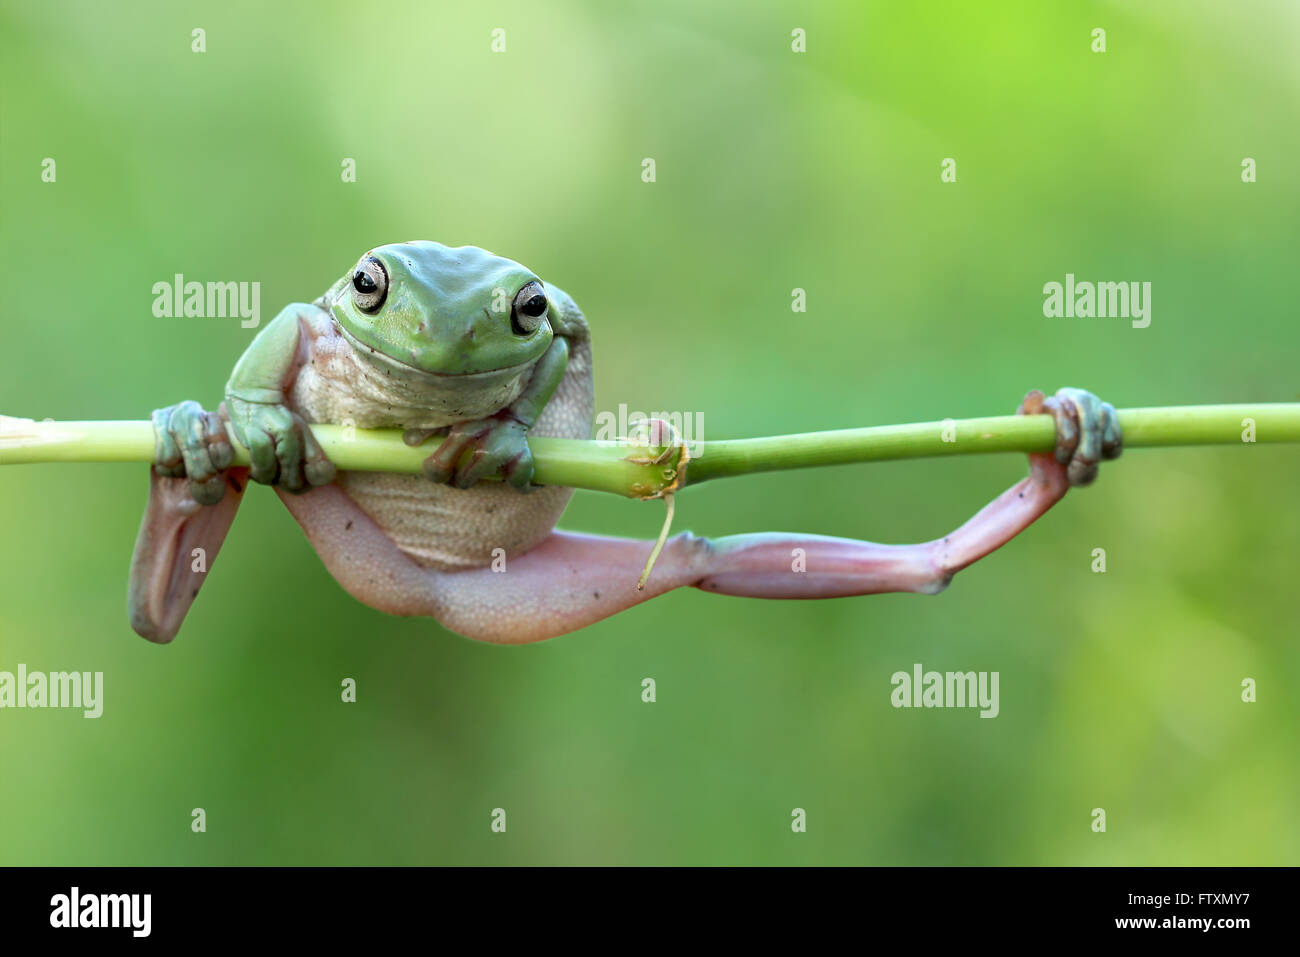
{"points": [[194, 493], [281, 448], [498, 444], [569, 581]]}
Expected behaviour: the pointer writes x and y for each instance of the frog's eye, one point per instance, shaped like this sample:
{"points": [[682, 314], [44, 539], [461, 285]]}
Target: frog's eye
{"points": [[369, 284], [530, 306]]}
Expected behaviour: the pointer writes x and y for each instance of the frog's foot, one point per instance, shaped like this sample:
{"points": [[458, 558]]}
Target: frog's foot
{"points": [[497, 445], [281, 448], [175, 549], [192, 444], [1087, 431], [193, 497]]}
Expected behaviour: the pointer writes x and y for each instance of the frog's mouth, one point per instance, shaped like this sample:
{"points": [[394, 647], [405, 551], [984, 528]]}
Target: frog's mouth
{"points": [[405, 370]]}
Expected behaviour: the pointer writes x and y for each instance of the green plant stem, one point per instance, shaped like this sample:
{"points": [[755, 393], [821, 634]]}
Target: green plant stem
{"points": [[1142, 428], [615, 466]]}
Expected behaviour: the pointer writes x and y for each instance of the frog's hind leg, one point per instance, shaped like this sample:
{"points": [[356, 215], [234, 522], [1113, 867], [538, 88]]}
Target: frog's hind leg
{"points": [[193, 497], [565, 582], [571, 580], [177, 544]]}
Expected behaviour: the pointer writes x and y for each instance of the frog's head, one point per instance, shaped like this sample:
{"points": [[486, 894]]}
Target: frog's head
{"points": [[444, 311]]}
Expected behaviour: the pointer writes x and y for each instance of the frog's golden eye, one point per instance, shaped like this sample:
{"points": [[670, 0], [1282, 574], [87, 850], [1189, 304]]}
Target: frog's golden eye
{"points": [[528, 309], [369, 284]]}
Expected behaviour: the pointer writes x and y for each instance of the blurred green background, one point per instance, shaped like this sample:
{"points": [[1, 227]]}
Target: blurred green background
{"points": [[775, 170]]}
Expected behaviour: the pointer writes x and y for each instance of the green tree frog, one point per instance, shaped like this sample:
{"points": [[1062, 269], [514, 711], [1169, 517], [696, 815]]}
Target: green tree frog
{"points": [[464, 344]]}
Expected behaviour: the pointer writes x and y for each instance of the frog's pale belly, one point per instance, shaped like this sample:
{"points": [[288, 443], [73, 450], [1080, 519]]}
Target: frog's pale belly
{"points": [[451, 528], [438, 525]]}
